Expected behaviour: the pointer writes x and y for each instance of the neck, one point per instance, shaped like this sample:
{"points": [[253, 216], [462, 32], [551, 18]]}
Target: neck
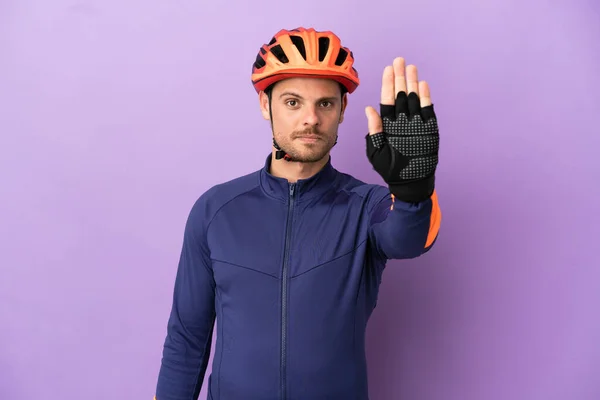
{"points": [[293, 171]]}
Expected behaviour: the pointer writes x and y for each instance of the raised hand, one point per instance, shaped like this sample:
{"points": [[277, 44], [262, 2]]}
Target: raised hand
{"points": [[403, 143]]}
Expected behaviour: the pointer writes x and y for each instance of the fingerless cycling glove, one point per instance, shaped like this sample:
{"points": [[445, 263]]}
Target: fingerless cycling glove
{"points": [[405, 154]]}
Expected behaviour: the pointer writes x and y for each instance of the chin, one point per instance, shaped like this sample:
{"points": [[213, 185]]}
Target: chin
{"points": [[308, 152], [311, 156]]}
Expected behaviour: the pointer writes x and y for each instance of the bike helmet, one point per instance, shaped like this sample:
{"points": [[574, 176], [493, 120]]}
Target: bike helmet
{"points": [[307, 53]]}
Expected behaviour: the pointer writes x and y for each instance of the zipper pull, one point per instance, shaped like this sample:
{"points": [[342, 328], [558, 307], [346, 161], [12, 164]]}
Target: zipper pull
{"points": [[292, 187]]}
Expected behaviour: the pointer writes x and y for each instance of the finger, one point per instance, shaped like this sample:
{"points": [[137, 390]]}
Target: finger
{"points": [[373, 120], [424, 94], [401, 105], [414, 108], [387, 86], [399, 75], [412, 79]]}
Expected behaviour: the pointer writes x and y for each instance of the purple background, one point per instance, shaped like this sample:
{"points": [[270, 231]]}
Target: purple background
{"points": [[116, 115]]}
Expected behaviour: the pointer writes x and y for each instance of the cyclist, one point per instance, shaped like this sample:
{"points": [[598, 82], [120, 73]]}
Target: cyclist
{"points": [[288, 259]]}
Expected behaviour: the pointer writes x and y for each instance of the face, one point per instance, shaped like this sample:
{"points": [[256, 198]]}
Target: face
{"points": [[306, 115]]}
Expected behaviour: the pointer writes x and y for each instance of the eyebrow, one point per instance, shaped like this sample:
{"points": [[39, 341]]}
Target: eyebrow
{"points": [[288, 93]]}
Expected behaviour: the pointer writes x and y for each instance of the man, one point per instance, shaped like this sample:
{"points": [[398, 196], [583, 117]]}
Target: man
{"points": [[288, 259]]}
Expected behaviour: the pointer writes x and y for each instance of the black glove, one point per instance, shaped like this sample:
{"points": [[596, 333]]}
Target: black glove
{"points": [[405, 154]]}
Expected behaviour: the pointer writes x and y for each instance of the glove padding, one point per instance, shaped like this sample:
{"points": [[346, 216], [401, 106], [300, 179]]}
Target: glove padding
{"points": [[405, 154]]}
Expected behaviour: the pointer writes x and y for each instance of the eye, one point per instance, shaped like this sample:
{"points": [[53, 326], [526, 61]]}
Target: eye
{"points": [[326, 104], [292, 103]]}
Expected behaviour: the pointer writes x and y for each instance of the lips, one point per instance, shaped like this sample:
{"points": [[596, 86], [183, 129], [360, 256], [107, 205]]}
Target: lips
{"points": [[309, 137]]}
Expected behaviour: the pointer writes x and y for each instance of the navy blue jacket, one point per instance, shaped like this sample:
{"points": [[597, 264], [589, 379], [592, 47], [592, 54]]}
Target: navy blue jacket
{"points": [[290, 274]]}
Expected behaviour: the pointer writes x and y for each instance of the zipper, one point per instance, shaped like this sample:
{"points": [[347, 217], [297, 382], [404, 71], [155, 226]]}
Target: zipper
{"points": [[284, 279]]}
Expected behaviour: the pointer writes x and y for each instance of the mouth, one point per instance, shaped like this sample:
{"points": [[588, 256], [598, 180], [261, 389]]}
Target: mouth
{"points": [[309, 139]]}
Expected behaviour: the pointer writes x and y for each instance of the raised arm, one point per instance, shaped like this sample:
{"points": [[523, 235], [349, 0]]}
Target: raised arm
{"points": [[402, 146]]}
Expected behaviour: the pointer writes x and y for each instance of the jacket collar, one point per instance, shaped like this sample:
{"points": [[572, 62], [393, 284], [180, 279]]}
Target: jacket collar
{"points": [[304, 189]]}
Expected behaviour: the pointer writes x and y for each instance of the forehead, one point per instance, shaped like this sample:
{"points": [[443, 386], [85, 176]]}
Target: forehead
{"points": [[310, 88]]}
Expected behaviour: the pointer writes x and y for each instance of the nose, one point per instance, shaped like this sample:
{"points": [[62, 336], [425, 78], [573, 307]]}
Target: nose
{"points": [[311, 117]]}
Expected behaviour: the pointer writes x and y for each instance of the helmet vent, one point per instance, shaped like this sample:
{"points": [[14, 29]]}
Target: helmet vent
{"points": [[323, 47], [259, 63], [299, 43], [279, 53], [342, 55]]}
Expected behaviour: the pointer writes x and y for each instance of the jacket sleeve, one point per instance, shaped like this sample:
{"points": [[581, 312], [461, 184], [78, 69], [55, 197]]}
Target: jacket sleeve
{"points": [[400, 230], [187, 345]]}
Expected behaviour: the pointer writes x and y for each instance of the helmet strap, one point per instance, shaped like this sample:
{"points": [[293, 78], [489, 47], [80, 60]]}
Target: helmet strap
{"points": [[279, 154]]}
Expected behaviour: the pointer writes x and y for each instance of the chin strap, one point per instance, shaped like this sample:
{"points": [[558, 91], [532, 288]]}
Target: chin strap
{"points": [[279, 154]]}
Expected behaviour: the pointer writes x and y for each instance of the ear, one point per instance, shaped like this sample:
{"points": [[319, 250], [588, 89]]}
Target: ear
{"points": [[264, 105], [344, 104]]}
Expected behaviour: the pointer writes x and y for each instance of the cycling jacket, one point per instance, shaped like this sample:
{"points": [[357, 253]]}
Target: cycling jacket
{"points": [[290, 273]]}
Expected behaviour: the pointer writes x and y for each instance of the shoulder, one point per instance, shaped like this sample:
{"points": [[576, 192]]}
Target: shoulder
{"points": [[208, 204], [370, 192]]}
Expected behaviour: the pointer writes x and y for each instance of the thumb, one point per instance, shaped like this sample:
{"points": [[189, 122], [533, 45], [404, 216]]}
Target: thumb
{"points": [[373, 120]]}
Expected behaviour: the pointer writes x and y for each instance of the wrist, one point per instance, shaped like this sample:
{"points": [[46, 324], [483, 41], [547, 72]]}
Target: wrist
{"points": [[414, 191]]}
